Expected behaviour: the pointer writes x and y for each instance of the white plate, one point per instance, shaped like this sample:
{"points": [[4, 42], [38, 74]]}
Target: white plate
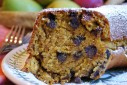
{"points": [[14, 61]]}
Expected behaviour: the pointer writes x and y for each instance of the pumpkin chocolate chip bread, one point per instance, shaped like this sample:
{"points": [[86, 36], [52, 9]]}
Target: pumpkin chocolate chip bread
{"points": [[117, 17], [68, 44]]}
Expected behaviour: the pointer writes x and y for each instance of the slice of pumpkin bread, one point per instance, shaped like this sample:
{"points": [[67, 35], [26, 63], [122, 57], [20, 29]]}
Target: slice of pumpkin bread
{"points": [[68, 44]]}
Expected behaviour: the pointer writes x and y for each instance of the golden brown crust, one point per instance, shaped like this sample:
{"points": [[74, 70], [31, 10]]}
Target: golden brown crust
{"points": [[119, 58]]}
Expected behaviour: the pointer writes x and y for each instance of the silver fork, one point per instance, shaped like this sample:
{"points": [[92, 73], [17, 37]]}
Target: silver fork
{"points": [[13, 39]]}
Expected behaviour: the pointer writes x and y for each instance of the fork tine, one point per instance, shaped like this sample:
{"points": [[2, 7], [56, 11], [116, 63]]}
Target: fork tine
{"points": [[18, 35], [22, 34], [13, 35], [8, 36], [7, 39]]}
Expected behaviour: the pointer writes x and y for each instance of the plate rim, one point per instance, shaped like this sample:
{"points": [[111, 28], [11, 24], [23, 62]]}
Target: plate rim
{"points": [[4, 66]]}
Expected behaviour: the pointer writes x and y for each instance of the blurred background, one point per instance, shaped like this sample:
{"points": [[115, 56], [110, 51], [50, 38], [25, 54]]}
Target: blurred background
{"points": [[37, 5], [9, 9]]}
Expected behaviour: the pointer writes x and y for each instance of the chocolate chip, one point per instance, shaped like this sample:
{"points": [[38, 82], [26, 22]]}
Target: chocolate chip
{"points": [[73, 14], [97, 31], [96, 73], [102, 66], [51, 16], [78, 40], [88, 12], [61, 57], [81, 37], [51, 24], [74, 22], [77, 80], [72, 73], [77, 55], [108, 53], [91, 51]]}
